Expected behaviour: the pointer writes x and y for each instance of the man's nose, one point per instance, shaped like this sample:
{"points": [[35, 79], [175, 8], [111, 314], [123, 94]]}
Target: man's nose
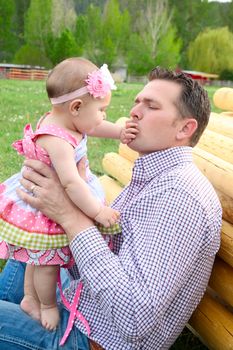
{"points": [[135, 113]]}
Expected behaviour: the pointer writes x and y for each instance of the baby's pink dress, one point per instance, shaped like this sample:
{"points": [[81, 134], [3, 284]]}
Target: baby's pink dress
{"points": [[26, 234]]}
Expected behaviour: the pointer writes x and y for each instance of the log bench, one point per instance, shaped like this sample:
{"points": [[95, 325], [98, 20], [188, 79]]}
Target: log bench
{"points": [[212, 321]]}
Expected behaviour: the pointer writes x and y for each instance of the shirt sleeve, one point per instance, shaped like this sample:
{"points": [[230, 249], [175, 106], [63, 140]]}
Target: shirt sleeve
{"points": [[163, 241]]}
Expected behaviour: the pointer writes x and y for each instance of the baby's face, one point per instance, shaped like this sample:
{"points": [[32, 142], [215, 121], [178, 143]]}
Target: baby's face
{"points": [[92, 113]]}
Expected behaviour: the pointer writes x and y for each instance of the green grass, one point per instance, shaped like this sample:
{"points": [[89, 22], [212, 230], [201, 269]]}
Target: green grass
{"points": [[24, 102]]}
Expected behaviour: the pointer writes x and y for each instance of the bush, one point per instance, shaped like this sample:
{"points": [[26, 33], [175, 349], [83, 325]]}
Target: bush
{"points": [[31, 55], [226, 75]]}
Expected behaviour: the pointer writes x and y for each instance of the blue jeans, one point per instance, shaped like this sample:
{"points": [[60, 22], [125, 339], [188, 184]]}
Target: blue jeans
{"points": [[18, 331]]}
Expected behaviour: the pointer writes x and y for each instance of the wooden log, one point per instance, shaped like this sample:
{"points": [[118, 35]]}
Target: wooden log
{"points": [[127, 153], [217, 144], [111, 188], [227, 206], [121, 121], [221, 124], [214, 323], [223, 98], [221, 280], [226, 249], [218, 171], [228, 114], [118, 167]]}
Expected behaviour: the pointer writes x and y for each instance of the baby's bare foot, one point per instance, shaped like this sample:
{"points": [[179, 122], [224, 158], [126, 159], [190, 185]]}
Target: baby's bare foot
{"points": [[31, 306], [49, 316]]}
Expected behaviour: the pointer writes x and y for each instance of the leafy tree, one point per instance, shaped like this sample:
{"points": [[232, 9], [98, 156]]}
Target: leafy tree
{"points": [[37, 29], [226, 75], [105, 33], [65, 46], [191, 17], [156, 40], [168, 49], [139, 59], [81, 32], [82, 6], [63, 16], [92, 26], [21, 7], [31, 55], [212, 51], [7, 36], [154, 23], [226, 13]]}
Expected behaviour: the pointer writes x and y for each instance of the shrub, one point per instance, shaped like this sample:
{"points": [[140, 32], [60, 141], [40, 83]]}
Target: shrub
{"points": [[226, 75]]}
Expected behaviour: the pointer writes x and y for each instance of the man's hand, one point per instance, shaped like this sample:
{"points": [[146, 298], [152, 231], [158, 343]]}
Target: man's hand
{"points": [[50, 197]]}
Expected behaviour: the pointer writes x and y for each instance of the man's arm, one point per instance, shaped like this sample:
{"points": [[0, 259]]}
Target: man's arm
{"points": [[161, 247]]}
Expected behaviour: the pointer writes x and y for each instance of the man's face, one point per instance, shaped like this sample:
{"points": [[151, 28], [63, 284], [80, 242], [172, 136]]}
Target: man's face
{"points": [[157, 117]]}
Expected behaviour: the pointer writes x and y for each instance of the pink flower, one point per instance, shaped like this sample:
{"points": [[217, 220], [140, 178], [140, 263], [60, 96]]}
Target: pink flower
{"points": [[100, 82]]}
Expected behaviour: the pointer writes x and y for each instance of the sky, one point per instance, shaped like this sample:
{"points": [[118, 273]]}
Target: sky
{"points": [[220, 0]]}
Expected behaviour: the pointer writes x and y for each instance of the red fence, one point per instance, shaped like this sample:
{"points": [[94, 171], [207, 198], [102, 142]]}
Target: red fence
{"points": [[23, 73]]}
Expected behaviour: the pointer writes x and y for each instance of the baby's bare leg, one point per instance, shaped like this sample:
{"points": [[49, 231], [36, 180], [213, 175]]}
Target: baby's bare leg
{"points": [[45, 278], [30, 303]]}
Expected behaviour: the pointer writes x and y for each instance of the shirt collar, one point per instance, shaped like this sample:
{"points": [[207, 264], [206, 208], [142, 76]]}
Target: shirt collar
{"points": [[157, 162]]}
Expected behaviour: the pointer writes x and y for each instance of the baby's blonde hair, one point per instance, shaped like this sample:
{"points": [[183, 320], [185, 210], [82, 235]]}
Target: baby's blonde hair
{"points": [[68, 75]]}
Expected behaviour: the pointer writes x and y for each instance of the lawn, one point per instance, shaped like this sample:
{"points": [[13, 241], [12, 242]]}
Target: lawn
{"points": [[24, 102]]}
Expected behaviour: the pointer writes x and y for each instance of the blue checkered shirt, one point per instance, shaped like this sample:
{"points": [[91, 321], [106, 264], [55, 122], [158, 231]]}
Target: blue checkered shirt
{"points": [[141, 294]]}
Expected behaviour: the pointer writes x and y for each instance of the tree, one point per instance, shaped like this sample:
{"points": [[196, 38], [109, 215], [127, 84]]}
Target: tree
{"points": [[65, 46], [156, 40], [7, 35], [63, 16], [81, 32], [168, 49], [37, 29], [154, 23], [105, 33], [212, 51], [93, 23], [19, 17], [191, 17], [31, 55]]}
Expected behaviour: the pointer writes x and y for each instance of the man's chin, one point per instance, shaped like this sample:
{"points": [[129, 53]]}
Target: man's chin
{"points": [[133, 145]]}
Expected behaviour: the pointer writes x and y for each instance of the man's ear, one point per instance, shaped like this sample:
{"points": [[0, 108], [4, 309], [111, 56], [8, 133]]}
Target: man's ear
{"points": [[188, 128], [74, 106]]}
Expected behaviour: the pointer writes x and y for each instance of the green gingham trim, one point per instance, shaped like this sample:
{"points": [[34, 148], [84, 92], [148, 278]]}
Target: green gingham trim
{"points": [[113, 230], [31, 240]]}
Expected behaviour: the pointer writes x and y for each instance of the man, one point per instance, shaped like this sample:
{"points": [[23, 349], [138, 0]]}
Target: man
{"points": [[140, 294]]}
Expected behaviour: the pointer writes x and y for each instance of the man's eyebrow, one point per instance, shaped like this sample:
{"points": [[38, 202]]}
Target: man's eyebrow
{"points": [[147, 100]]}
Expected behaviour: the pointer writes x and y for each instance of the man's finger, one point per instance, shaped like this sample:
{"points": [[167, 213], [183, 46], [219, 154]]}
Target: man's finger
{"points": [[26, 184], [33, 177], [27, 198], [39, 167]]}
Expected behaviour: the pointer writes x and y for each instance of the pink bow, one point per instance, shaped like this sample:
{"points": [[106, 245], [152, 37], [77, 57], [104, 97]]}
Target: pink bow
{"points": [[26, 146]]}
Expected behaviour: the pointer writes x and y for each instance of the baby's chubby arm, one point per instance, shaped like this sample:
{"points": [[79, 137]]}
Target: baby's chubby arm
{"points": [[114, 131], [61, 154]]}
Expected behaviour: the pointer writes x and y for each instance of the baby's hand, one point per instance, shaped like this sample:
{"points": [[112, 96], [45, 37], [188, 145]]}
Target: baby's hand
{"points": [[129, 132], [107, 216]]}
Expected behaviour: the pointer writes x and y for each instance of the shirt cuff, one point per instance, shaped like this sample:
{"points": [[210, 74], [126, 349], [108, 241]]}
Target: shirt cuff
{"points": [[87, 245]]}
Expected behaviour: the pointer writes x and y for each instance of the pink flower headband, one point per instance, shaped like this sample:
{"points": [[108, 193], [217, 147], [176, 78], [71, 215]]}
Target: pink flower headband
{"points": [[99, 83]]}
